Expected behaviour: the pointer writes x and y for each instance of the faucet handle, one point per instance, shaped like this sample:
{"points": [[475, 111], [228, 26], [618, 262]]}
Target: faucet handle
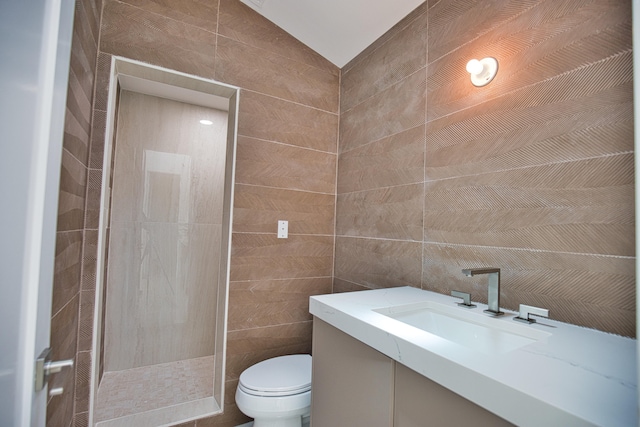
{"points": [[466, 299], [527, 310]]}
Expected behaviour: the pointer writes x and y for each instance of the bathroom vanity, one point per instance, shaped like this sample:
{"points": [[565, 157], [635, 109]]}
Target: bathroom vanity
{"points": [[405, 357]]}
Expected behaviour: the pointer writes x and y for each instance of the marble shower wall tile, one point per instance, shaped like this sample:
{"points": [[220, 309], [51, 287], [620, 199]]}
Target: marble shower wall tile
{"points": [[161, 299], [166, 213]]}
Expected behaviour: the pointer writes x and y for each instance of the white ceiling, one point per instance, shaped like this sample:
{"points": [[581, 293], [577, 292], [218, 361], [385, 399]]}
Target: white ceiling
{"points": [[337, 29]]}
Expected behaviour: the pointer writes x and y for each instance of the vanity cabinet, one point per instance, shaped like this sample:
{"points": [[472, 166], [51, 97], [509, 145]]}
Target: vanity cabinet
{"points": [[357, 386], [352, 384]]}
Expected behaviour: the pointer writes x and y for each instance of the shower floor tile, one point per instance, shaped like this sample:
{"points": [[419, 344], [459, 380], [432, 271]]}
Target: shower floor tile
{"points": [[137, 390]]}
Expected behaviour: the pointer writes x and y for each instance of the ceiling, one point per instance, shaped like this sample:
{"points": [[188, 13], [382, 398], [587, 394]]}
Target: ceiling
{"points": [[337, 29]]}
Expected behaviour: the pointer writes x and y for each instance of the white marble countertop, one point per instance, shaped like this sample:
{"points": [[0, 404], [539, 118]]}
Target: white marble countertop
{"points": [[574, 377]]}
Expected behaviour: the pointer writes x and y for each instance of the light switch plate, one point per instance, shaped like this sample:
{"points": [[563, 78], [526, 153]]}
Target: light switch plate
{"points": [[283, 229]]}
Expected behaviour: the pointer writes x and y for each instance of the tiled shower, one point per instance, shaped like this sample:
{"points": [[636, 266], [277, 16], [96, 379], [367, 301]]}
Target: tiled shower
{"points": [[165, 236]]}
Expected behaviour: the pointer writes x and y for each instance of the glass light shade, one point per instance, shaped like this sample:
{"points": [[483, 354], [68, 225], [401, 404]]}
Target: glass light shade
{"points": [[482, 71], [474, 66]]}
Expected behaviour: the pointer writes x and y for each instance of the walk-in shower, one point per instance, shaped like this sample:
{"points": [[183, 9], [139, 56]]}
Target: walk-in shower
{"points": [[164, 241]]}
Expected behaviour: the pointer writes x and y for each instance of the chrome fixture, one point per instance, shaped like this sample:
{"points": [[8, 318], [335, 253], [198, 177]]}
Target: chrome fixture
{"points": [[482, 71], [493, 293], [527, 310], [45, 367], [466, 299]]}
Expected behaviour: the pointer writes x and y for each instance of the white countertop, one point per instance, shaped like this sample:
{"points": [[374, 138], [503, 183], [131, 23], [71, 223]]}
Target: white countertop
{"points": [[574, 377]]}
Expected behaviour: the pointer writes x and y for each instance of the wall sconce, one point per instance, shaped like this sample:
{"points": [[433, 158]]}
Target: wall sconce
{"points": [[483, 71]]}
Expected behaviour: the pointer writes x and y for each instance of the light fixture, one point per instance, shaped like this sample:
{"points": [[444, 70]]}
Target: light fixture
{"points": [[206, 122], [482, 71]]}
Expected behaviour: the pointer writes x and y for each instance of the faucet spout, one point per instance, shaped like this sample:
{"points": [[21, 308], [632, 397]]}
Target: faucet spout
{"points": [[493, 293]]}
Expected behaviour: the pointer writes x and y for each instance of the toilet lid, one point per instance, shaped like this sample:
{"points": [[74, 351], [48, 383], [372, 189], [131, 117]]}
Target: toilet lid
{"points": [[280, 376]]}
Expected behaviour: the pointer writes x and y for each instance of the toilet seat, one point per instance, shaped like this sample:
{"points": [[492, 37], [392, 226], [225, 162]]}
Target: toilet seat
{"points": [[280, 376]]}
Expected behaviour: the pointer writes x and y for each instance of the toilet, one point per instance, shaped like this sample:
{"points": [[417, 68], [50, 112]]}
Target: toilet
{"points": [[276, 392]]}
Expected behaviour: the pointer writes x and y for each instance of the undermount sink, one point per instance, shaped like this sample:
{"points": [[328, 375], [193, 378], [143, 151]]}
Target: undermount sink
{"points": [[466, 327]]}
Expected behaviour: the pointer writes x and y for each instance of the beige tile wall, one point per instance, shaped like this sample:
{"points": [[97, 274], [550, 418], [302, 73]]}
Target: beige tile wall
{"points": [[532, 173], [166, 222], [72, 297], [286, 160]]}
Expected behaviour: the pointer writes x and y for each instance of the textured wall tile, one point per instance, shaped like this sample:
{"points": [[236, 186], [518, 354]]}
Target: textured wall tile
{"points": [[539, 161], [249, 346], [258, 209], [94, 193], [590, 290], [263, 303], [67, 269], [73, 177], [391, 62], [96, 145], [260, 162], [340, 285], [199, 13], [259, 70], [103, 74], [395, 160], [83, 380], [137, 33], [89, 260], [85, 327], [532, 49], [241, 23], [85, 49], [272, 119], [581, 206], [81, 419], [391, 212], [264, 256], [64, 327], [383, 39], [77, 120], [579, 134], [375, 263], [393, 110], [456, 22]]}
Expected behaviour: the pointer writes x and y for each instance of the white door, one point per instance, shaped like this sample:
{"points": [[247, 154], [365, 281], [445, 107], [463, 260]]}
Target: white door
{"points": [[35, 44]]}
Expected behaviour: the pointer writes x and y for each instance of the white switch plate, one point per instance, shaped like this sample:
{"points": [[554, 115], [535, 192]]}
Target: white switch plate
{"points": [[283, 229]]}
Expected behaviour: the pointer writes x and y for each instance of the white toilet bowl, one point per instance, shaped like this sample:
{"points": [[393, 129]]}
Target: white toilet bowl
{"points": [[276, 392]]}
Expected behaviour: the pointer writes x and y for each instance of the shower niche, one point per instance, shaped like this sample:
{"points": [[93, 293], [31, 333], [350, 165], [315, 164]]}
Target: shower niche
{"points": [[163, 248]]}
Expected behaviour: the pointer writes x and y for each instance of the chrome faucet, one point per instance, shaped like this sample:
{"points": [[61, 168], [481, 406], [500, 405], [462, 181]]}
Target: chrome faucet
{"points": [[493, 294]]}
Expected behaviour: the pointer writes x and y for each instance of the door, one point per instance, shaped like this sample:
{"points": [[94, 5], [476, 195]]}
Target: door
{"points": [[35, 44]]}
